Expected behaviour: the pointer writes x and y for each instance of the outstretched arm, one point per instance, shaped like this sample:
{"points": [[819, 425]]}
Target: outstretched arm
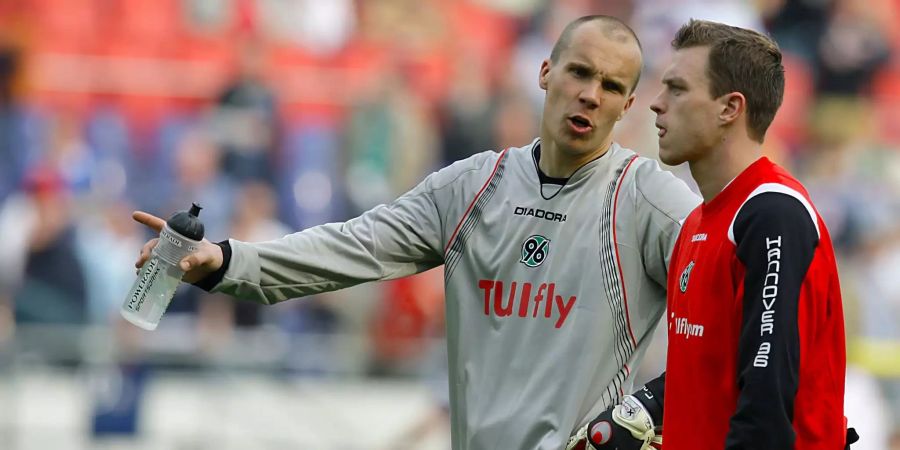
{"points": [[389, 241]]}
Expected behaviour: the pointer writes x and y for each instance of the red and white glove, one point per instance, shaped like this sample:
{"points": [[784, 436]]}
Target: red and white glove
{"points": [[626, 426]]}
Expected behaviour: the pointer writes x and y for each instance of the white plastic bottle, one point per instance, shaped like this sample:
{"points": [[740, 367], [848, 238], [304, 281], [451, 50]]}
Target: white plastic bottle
{"points": [[161, 274]]}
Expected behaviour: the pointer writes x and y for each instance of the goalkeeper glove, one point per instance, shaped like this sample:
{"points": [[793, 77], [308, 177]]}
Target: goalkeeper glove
{"points": [[627, 426]]}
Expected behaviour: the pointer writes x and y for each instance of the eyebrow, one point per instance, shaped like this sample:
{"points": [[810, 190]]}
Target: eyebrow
{"points": [[674, 81]]}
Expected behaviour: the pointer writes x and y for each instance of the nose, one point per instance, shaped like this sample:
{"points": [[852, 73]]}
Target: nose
{"points": [[658, 106], [589, 97]]}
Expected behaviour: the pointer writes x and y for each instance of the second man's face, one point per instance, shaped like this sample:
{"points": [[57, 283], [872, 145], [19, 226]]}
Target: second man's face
{"points": [[588, 89], [686, 112]]}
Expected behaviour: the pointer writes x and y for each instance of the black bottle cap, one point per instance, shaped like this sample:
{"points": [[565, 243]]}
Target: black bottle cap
{"points": [[187, 224]]}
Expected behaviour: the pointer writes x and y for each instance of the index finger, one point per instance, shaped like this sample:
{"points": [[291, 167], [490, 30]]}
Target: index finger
{"points": [[155, 223]]}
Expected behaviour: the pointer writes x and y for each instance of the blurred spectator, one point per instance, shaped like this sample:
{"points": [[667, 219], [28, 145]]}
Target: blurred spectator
{"points": [[110, 140], [14, 147], [467, 113], [52, 289], [407, 317], [69, 154], [310, 178], [106, 241], [514, 121], [414, 26], [369, 144], [9, 74], [391, 141], [853, 46], [797, 25], [198, 177], [245, 117], [255, 214]]}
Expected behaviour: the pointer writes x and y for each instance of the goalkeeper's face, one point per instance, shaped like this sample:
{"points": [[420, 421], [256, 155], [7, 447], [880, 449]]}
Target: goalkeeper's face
{"points": [[589, 88], [687, 115]]}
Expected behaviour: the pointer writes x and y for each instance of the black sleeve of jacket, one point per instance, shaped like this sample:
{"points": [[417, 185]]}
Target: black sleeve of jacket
{"points": [[210, 281], [776, 239], [651, 396]]}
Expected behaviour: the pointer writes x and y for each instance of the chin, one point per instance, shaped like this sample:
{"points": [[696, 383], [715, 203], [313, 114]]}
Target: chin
{"points": [[581, 148], [669, 158], [572, 145]]}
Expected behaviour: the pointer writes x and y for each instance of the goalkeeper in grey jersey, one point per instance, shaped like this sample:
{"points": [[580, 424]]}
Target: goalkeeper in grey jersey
{"points": [[555, 258]]}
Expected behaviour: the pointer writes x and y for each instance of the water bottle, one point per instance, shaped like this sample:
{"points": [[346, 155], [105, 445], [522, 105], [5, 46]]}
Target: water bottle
{"points": [[159, 277]]}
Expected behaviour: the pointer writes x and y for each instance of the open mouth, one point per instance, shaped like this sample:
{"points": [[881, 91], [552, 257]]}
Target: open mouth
{"points": [[662, 130], [580, 124]]}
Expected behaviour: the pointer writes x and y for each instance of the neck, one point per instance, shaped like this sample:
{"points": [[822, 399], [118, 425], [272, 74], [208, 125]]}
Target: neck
{"points": [[722, 164], [558, 163]]}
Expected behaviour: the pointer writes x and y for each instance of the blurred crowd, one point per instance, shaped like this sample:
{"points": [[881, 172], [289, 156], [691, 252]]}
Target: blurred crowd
{"points": [[279, 115]]}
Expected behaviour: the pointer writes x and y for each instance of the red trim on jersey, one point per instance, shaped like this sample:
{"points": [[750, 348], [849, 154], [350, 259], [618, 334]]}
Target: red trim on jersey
{"points": [[471, 205], [616, 247]]}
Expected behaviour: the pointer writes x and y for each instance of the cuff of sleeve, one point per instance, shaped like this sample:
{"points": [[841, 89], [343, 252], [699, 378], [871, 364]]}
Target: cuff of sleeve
{"points": [[210, 281], [651, 396]]}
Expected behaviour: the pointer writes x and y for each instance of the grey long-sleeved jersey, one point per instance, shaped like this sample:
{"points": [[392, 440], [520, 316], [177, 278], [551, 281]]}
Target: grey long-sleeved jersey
{"points": [[550, 302]]}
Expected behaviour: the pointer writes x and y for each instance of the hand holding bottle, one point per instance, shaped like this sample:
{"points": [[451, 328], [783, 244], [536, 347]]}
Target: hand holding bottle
{"points": [[206, 260], [179, 250]]}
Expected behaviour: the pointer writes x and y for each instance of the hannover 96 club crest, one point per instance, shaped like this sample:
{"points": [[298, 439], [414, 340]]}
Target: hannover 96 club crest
{"points": [[683, 281], [535, 250]]}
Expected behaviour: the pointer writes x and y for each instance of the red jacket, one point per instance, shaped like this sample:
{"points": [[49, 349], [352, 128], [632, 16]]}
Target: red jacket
{"points": [[756, 354]]}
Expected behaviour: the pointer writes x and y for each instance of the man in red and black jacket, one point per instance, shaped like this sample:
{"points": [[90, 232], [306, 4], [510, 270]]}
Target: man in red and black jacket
{"points": [[756, 354]]}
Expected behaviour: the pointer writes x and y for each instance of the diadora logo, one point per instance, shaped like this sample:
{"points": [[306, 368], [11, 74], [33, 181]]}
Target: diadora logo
{"points": [[539, 213], [699, 237], [539, 306], [685, 275], [535, 250]]}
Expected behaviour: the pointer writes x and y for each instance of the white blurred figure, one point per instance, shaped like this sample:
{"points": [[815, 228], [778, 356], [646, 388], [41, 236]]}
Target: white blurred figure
{"points": [[17, 219], [866, 410], [319, 27], [656, 22], [106, 240]]}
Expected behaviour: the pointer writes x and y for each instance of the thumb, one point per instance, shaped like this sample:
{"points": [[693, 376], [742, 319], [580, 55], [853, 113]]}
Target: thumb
{"points": [[199, 259], [201, 263], [193, 261]]}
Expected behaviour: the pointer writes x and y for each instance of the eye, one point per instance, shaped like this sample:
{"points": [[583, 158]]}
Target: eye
{"points": [[613, 87], [580, 72]]}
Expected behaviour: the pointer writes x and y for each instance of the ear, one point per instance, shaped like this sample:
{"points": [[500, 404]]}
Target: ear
{"points": [[732, 106], [628, 104], [543, 77]]}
